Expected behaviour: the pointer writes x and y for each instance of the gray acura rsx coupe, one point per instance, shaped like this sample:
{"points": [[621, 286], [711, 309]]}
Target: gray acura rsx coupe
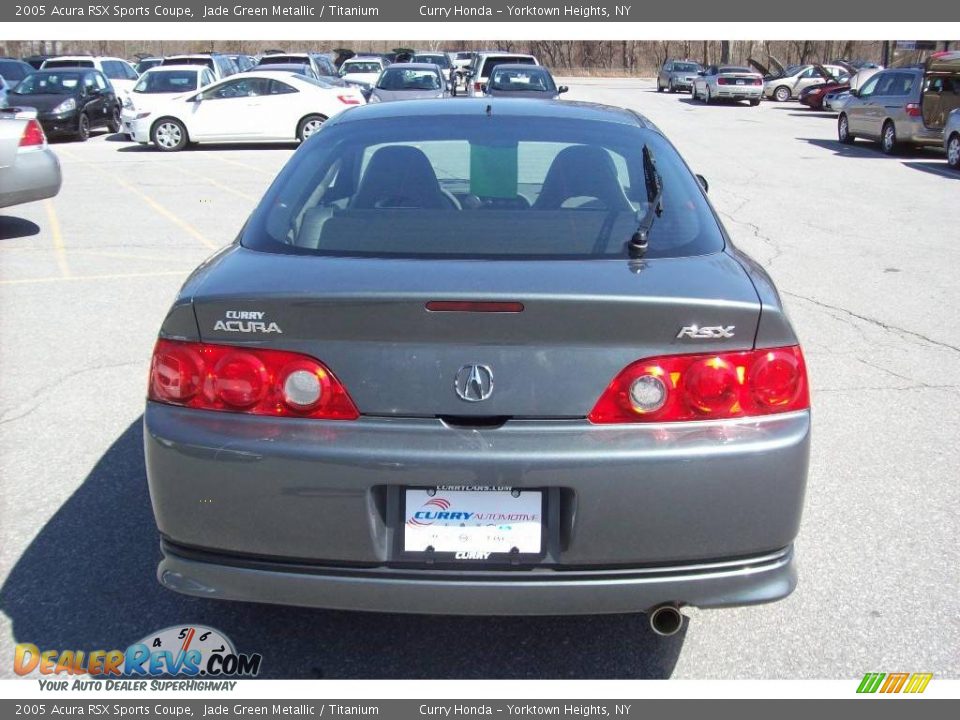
{"points": [[492, 356]]}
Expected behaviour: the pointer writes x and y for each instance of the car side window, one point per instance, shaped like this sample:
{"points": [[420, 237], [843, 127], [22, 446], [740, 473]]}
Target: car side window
{"points": [[667, 67], [885, 85], [870, 86], [129, 71], [100, 81], [206, 77], [88, 82], [281, 88], [239, 88], [901, 85]]}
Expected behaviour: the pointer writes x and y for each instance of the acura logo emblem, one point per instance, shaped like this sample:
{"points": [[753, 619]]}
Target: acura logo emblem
{"points": [[474, 383]]}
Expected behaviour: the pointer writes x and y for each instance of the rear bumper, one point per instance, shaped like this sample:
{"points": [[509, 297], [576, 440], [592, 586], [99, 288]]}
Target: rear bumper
{"points": [[746, 581], [739, 92], [624, 499], [34, 175]]}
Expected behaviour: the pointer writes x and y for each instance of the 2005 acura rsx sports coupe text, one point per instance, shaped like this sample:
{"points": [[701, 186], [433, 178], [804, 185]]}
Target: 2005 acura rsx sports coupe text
{"points": [[495, 356]]}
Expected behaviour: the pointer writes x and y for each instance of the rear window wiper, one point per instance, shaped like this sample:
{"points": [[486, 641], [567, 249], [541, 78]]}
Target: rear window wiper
{"points": [[638, 244]]}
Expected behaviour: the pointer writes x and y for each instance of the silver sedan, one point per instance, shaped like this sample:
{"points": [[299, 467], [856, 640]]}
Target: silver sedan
{"points": [[410, 81], [28, 168]]}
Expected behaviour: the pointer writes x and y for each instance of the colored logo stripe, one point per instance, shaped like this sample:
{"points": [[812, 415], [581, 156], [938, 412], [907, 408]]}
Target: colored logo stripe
{"points": [[894, 682]]}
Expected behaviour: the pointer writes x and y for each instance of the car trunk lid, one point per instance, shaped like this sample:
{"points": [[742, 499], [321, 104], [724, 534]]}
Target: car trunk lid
{"points": [[581, 322]]}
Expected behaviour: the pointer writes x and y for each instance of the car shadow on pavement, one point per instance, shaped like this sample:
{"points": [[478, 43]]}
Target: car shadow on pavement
{"points": [[12, 227], [715, 103], [87, 581], [865, 149], [935, 168]]}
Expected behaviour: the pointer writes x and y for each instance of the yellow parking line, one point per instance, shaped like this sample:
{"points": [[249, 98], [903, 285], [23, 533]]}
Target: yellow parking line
{"points": [[57, 239], [239, 193], [125, 256], [157, 207], [231, 161], [114, 276]]}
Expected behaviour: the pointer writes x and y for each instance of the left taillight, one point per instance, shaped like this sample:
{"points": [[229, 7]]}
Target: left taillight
{"points": [[32, 135], [679, 388], [913, 109], [246, 380]]}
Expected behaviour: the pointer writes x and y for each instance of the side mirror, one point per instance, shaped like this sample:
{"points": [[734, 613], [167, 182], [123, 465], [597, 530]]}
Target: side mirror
{"points": [[197, 98], [483, 87], [854, 92], [703, 183], [562, 89], [701, 73]]}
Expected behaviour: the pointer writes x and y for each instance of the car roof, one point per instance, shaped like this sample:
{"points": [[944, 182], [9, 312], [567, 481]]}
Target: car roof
{"points": [[510, 107], [363, 58], [503, 53], [156, 70], [412, 66], [521, 66]]}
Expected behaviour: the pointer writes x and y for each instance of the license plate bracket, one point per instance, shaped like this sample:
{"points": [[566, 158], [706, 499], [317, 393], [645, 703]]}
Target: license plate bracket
{"points": [[514, 525]]}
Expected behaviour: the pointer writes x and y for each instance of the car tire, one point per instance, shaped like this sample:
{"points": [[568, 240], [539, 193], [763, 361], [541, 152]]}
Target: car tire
{"points": [[309, 125], [953, 151], [843, 130], [659, 86], [169, 135], [671, 88], [706, 95], [83, 127], [888, 139], [754, 103], [782, 94], [114, 124]]}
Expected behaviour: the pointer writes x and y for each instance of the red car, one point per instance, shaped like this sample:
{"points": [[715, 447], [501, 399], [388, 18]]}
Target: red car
{"points": [[813, 96]]}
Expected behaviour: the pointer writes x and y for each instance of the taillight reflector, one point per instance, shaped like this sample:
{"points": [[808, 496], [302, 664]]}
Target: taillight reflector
{"points": [[32, 135], [707, 387], [913, 109], [246, 380]]}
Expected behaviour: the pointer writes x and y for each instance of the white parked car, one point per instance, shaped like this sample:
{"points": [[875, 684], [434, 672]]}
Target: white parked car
{"points": [[157, 86], [121, 74], [363, 69], [251, 107]]}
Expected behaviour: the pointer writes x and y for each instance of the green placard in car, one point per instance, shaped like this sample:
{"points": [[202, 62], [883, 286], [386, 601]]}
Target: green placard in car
{"points": [[493, 170]]}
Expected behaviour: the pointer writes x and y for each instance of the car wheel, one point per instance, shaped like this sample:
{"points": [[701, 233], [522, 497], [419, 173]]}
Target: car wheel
{"points": [[782, 93], [659, 86], [888, 140], [953, 151], [309, 125], [671, 88], [754, 103], [169, 135], [83, 128], [843, 130], [114, 124], [706, 95]]}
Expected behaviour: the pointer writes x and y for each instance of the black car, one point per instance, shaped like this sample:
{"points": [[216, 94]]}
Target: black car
{"points": [[70, 101]]}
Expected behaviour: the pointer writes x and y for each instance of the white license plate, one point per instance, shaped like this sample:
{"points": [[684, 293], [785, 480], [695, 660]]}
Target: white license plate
{"points": [[740, 82], [473, 523]]}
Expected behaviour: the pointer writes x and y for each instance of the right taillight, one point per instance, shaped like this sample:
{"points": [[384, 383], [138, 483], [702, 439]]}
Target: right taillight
{"points": [[32, 135], [713, 386], [913, 109], [246, 380]]}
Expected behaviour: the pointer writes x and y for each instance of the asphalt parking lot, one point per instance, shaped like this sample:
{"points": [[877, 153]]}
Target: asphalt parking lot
{"points": [[863, 246]]}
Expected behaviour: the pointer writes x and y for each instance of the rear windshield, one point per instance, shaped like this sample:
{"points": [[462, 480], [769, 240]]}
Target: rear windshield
{"points": [[735, 69], [685, 67], [283, 59], [167, 81], [490, 63], [403, 79], [513, 80], [49, 64], [189, 61], [480, 187], [441, 60], [360, 67]]}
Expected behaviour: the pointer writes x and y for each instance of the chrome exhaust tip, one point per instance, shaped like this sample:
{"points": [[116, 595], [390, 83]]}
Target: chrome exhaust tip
{"points": [[665, 620]]}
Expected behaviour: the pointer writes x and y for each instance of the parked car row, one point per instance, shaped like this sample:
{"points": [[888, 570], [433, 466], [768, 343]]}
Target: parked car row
{"points": [[916, 106]]}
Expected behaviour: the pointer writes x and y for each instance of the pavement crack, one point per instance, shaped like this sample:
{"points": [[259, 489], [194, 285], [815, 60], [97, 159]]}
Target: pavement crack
{"points": [[33, 400], [873, 321]]}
